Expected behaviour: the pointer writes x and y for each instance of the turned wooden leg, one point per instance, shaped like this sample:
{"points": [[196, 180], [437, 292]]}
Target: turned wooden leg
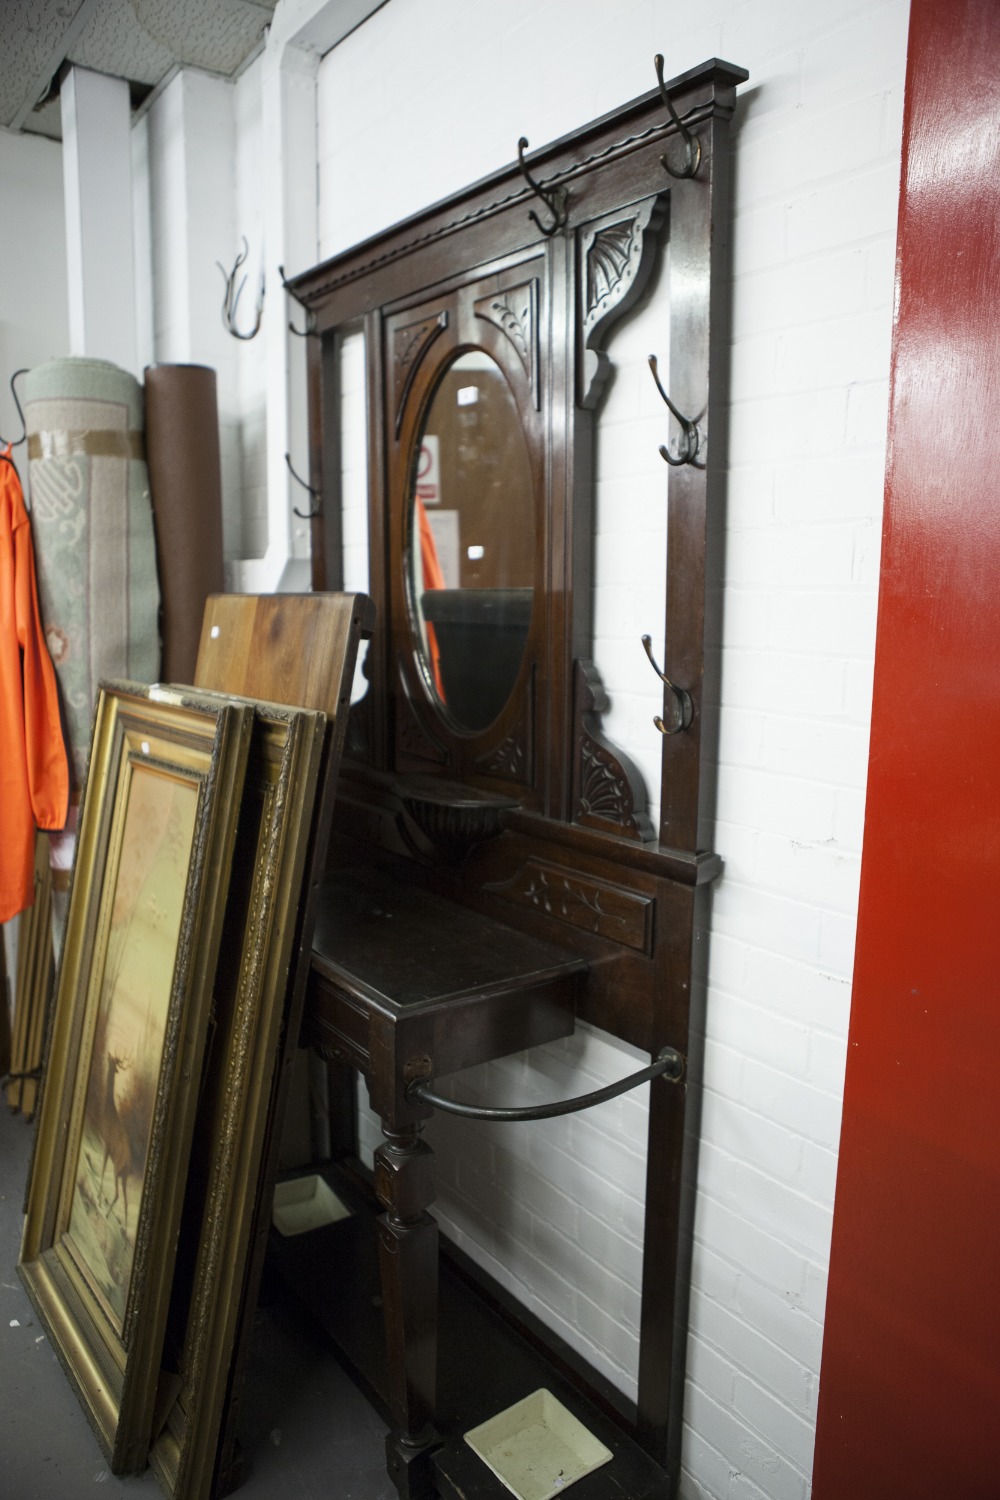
{"points": [[408, 1265]]}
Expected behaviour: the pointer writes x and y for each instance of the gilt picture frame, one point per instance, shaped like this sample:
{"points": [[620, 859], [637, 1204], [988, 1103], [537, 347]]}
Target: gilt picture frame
{"points": [[156, 842], [251, 1007]]}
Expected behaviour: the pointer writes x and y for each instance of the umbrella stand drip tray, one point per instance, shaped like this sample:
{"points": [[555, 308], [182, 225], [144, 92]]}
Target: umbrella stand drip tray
{"points": [[537, 1448]]}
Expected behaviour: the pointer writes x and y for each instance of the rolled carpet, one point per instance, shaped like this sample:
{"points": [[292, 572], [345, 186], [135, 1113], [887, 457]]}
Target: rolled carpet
{"points": [[93, 531], [185, 479]]}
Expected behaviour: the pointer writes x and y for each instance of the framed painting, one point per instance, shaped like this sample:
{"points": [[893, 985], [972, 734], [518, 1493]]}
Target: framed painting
{"points": [[261, 938], [156, 844]]}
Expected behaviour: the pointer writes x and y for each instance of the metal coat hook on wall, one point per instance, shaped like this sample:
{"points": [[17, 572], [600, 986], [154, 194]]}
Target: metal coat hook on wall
{"points": [[692, 146], [556, 199], [682, 707], [688, 448], [310, 331], [232, 296], [314, 494], [16, 442]]}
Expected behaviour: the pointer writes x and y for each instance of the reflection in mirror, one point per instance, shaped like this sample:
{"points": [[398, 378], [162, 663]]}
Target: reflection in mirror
{"points": [[353, 450], [472, 541]]}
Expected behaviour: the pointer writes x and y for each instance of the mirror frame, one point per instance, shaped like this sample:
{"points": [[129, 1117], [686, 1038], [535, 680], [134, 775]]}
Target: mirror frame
{"points": [[429, 337], [579, 862], [518, 506]]}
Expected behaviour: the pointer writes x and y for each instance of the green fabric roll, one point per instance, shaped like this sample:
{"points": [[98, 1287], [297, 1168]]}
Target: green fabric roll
{"points": [[92, 523]]}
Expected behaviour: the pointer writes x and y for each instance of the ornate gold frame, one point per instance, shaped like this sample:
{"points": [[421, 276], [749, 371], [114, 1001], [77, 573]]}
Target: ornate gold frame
{"points": [[251, 997], [192, 754]]}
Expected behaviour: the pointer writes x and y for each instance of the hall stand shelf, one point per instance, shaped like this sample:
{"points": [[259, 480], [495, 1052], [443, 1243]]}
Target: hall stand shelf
{"points": [[494, 876], [506, 1366], [472, 989]]}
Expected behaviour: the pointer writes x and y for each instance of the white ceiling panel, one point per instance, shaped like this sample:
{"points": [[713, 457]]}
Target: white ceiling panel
{"points": [[143, 39], [115, 40], [30, 35], [140, 40]]}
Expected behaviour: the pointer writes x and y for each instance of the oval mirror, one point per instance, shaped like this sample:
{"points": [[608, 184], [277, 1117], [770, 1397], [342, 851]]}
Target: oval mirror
{"points": [[472, 541]]}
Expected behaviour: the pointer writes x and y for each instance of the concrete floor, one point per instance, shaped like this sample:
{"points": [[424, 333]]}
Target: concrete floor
{"points": [[307, 1431]]}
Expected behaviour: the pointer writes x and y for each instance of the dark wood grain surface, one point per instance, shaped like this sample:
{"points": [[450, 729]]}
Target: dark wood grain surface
{"points": [[580, 864], [404, 947]]}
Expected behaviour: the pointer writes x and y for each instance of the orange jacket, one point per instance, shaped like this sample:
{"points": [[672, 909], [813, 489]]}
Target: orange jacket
{"points": [[433, 579], [34, 774]]}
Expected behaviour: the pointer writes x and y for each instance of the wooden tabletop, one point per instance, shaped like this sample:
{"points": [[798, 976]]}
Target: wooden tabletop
{"points": [[404, 948]]}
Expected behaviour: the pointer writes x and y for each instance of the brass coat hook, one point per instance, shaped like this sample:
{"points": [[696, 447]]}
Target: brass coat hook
{"points": [[232, 296], [314, 495], [556, 199], [692, 146], [310, 331], [687, 451], [682, 707]]}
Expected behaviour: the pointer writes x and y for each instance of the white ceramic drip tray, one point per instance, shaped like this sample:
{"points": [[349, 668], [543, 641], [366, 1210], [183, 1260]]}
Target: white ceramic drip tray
{"points": [[537, 1448], [305, 1203]]}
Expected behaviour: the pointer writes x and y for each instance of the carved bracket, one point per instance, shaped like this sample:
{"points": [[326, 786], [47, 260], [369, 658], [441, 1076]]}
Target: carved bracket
{"points": [[617, 254], [608, 790]]}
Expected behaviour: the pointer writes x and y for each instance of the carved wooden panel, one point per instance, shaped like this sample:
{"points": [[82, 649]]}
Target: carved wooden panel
{"points": [[583, 901], [415, 745], [617, 254], [409, 345], [514, 758], [608, 789], [515, 312]]}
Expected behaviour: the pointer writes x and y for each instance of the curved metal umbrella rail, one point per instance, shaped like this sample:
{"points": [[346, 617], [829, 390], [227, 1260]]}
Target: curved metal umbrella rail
{"points": [[669, 1064]]}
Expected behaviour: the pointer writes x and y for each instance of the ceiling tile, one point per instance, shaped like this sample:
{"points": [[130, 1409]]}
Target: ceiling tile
{"points": [[32, 31], [143, 39], [140, 40]]}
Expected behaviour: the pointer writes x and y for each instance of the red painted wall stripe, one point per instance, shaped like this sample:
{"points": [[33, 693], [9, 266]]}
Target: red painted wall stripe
{"points": [[910, 1385]]}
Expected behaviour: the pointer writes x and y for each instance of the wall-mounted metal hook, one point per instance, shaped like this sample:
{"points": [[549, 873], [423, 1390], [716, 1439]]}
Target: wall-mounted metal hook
{"points": [[692, 145], [682, 707], [314, 495], [310, 331], [556, 199], [232, 296], [687, 452], [16, 442]]}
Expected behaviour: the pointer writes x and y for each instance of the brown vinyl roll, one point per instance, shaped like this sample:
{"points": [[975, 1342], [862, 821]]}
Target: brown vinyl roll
{"points": [[185, 479]]}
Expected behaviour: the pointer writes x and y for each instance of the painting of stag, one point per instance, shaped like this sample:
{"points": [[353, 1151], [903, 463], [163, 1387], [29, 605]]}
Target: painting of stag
{"points": [[117, 1145], [144, 908]]}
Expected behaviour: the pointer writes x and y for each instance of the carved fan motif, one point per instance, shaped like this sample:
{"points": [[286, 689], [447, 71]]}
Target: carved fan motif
{"points": [[515, 313], [608, 789], [604, 791], [608, 260], [617, 257], [513, 758]]}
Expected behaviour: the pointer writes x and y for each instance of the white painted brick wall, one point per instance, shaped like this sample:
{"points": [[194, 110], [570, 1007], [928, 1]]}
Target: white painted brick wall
{"points": [[34, 306], [252, 374], [816, 181], [196, 192]]}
